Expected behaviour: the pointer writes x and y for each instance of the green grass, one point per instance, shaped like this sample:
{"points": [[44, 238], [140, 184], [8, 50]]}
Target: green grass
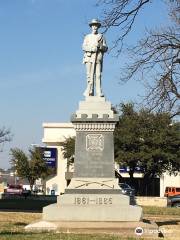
{"points": [[57, 236], [12, 228], [161, 210]]}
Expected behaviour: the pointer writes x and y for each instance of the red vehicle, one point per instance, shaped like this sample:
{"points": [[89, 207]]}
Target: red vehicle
{"points": [[14, 189], [172, 191]]}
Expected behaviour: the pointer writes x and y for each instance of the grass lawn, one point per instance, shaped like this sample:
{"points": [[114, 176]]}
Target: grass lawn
{"points": [[50, 236], [161, 211], [12, 225], [12, 228]]}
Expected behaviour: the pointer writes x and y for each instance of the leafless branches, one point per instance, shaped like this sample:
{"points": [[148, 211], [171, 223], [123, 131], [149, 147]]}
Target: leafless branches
{"points": [[121, 14], [156, 60], [175, 10]]}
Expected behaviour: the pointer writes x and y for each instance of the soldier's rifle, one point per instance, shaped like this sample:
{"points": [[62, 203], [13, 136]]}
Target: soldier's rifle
{"points": [[93, 71]]}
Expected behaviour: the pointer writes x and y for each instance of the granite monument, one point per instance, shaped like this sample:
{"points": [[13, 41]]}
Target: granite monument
{"points": [[94, 193]]}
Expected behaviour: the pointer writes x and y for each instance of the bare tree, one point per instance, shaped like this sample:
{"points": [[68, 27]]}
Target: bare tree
{"points": [[5, 136], [155, 59], [121, 14]]}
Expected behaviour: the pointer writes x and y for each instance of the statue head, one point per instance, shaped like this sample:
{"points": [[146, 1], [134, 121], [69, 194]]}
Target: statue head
{"points": [[95, 22]]}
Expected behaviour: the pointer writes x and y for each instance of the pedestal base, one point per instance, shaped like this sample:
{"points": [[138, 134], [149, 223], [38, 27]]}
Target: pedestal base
{"points": [[92, 207], [125, 229]]}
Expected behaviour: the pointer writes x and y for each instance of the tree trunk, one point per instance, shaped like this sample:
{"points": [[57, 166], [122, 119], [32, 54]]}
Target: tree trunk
{"points": [[132, 166], [31, 183], [131, 173], [147, 180]]}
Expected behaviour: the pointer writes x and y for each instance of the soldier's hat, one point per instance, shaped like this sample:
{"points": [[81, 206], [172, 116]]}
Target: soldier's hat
{"points": [[95, 22]]}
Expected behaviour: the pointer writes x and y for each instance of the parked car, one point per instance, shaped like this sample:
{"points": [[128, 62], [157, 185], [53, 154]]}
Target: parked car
{"points": [[126, 189], [13, 189], [172, 191], [173, 201]]}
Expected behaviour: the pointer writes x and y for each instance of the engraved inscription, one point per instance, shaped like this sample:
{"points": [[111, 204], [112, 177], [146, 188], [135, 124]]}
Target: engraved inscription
{"points": [[92, 201], [94, 142]]}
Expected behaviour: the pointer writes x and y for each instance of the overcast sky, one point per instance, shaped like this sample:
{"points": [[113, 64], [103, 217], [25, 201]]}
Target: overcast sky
{"points": [[42, 77]]}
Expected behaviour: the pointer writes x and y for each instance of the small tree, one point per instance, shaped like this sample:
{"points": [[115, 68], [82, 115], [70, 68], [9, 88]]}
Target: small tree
{"points": [[30, 166], [68, 147], [5, 136]]}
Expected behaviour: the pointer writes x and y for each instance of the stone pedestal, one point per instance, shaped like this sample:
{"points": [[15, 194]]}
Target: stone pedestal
{"points": [[94, 193]]}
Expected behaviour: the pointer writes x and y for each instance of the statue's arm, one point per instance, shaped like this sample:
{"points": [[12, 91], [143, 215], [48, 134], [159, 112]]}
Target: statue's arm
{"points": [[103, 46]]}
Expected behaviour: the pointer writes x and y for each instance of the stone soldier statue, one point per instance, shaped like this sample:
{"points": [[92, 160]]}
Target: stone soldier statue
{"points": [[94, 47]]}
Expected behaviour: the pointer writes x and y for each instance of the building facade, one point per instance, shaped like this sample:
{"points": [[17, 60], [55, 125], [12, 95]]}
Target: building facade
{"points": [[54, 134]]}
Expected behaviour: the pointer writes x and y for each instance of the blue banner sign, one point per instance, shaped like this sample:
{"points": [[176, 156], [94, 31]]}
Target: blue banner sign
{"points": [[49, 156], [123, 169]]}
